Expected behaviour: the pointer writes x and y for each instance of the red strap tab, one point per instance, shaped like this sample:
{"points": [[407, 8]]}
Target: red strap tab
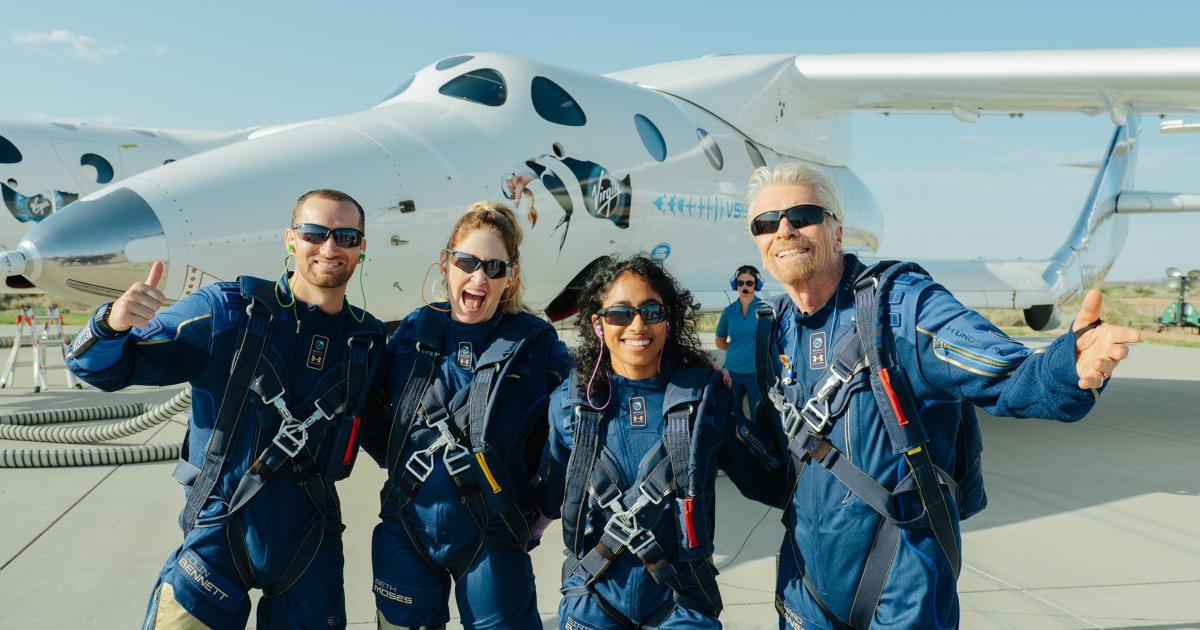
{"points": [[352, 443], [689, 524], [886, 380]]}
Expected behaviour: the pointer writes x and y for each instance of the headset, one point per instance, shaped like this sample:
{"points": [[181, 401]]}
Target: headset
{"points": [[750, 269]]}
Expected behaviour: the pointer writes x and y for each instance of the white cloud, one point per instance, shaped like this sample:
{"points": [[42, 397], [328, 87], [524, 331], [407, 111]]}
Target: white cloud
{"points": [[159, 51], [75, 45]]}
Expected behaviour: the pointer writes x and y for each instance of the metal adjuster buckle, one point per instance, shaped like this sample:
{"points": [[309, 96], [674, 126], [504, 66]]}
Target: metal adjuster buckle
{"points": [[420, 468], [457, 460], [293, 435], [810, 410]]}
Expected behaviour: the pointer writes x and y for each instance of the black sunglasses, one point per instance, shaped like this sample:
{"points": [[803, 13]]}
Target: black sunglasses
{"points": [[798, 216], [318, 234], [494, 269], [622, 315], [745, 283]]}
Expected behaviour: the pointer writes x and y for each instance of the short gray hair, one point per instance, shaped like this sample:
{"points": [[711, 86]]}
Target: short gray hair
{"points": [[794, 174]]}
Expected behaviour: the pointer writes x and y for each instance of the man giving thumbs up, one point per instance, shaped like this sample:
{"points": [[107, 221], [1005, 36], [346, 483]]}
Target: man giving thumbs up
{"points": [[277, 370]]}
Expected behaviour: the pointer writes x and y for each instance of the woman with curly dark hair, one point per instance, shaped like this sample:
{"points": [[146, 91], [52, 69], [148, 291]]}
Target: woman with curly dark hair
{"points": [[637, 434]]}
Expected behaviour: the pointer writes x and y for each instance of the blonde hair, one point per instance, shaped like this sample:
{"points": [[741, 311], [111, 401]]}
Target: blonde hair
{"points": [[794, 174], [500, 219]]}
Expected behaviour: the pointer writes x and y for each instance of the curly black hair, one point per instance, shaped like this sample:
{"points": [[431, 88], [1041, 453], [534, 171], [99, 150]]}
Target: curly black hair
{"points": [[682, 346]]}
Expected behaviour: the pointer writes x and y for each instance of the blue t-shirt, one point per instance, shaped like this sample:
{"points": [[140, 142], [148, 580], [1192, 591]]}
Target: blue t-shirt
{"points": [[739, 329]]}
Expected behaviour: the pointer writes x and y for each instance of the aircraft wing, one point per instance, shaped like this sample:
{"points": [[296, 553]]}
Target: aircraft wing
{"points": [[1012, 284], [762, 94]]}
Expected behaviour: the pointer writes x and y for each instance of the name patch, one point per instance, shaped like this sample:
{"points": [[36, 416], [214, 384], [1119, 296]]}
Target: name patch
{"points": [[637, 411], [817, 352], [316, 352], [389, 592], [200, 575], [464, 357]]}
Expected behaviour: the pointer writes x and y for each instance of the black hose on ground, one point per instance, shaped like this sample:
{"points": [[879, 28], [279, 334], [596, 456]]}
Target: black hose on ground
{"points": [[91, 456], [78, 414], [101, 432]]}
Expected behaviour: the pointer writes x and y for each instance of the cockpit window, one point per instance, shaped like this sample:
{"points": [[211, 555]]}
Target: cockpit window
{"points": [[450, 62], [554, 104], [484, 86], [711, 149], [8, 152], [104, 170], [652, 138], [400, 90], [756, 157]]}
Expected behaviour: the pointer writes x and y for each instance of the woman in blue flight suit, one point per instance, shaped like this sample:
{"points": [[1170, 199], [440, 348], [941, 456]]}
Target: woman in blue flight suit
{"points": [[464, 432], [635, 434]]}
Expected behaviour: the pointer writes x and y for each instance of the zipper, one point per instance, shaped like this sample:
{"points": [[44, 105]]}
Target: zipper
{"points": [[945, 345]]}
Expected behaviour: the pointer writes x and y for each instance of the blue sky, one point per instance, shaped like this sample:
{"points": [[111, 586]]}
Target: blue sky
{"points": [[997, 188]]}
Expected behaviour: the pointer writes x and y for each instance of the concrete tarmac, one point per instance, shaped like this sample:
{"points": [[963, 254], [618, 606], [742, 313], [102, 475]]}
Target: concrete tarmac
{"points": [[1089, 525]]}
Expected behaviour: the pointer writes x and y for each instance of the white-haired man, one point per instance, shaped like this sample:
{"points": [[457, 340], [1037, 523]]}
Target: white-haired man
{"points": [[873, 375]]}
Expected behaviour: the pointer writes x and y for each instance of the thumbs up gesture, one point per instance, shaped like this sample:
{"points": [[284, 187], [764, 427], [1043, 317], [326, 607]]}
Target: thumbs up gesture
{"points": [[136, 307], [1099, 347]]}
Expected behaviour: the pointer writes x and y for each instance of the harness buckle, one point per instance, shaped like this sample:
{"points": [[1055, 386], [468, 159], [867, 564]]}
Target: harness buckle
{"points": [[290, 438], [822, 415], [420, 468], [457, 460]]}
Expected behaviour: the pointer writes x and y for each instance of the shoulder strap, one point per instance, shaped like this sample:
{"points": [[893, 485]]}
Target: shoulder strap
{"points": [[585, 434], [255, 330], [889, 383], [764, 349], [419, 376]]}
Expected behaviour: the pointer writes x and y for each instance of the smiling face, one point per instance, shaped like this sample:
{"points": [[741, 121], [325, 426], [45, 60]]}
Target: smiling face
{"points": [[474, 297], [325, 265], [796, 256], [634, 348]]}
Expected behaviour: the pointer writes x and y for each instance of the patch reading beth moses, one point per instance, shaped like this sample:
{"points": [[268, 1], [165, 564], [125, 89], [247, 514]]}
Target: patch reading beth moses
{"points": [[316, 352], [637, 411]]}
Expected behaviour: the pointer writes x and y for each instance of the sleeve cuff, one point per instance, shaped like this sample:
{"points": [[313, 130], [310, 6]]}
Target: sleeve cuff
{"points": [[1060, 357], [103, 332]]}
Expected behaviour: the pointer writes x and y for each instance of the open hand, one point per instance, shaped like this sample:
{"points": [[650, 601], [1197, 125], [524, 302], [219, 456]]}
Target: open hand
{"points": [[1100, 349], [136, 307]]}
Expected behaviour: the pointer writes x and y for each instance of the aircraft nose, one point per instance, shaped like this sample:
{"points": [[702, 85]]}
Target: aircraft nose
{"points": [[94, 249]]}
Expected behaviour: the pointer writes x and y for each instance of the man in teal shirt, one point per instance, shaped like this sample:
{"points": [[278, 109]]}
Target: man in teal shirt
{"points": [[735, 335]]}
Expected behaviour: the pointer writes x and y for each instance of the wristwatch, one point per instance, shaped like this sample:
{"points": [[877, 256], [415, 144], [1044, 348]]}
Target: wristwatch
{"points": [[101, 320]]}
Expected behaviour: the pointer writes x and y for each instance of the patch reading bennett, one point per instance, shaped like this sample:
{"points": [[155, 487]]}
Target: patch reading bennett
{"points": [[316, 352], [198, 574]]}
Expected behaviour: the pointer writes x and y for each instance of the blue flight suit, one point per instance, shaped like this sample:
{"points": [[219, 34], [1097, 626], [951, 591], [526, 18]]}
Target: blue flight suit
{"points": [[955, 359], [630, 437], [194, 340], [443, 527]]}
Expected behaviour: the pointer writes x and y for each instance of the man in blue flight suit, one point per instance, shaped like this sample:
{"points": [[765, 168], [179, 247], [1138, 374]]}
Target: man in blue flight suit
{"points": [[873, 417], [277, 373]]}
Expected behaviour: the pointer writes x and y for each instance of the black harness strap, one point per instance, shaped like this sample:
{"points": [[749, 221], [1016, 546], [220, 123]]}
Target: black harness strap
{"points": [[245, 363], [403, 419]]}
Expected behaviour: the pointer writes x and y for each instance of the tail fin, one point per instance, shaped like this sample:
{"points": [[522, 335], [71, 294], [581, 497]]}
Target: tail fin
{"points": [[1099, 232]]}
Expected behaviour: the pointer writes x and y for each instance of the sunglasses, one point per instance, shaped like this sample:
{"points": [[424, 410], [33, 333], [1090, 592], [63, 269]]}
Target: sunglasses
{"points": [[494, 269], [622, 315], [318, 234], [798, 216], [745, 283]]}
